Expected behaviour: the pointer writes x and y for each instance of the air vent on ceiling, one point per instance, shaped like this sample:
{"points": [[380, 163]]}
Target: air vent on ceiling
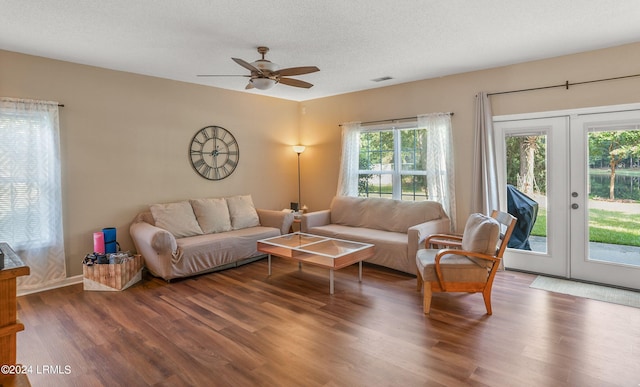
{"points": [[382, 79]]}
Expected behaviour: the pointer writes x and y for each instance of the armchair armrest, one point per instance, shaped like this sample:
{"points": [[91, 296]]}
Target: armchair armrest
{"points": [[418, 233], [451, 240], [315, 219], [277, 219]]}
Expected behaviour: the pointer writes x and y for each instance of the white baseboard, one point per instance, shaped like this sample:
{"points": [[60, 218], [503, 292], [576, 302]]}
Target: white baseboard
{"points": [[66, 282]]}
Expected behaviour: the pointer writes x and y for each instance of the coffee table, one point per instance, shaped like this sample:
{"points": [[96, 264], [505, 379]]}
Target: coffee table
{"points": [[330, 253]]}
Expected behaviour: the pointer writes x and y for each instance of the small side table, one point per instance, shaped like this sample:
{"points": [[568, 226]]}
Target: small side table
{"points": [[297, 221]]}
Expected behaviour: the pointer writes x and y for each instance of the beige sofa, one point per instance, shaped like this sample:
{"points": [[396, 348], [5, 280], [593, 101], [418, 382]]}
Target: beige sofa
{"points": [[196, 236], [397, 228]]}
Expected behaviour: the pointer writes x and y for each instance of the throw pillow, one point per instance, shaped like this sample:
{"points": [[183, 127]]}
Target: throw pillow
{"points": [[177, 218], [212, 214], [481, 234], [243, 213]]}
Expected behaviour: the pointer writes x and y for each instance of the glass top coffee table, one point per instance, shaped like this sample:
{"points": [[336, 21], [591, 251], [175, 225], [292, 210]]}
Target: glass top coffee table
{"points": [[330, 253]]}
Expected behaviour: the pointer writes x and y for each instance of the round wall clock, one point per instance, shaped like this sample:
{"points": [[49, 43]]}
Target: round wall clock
{"points": [[214, 153]]}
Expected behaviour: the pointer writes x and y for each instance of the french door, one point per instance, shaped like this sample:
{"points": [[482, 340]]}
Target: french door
{"points": [[550, 136], [581, 170]]}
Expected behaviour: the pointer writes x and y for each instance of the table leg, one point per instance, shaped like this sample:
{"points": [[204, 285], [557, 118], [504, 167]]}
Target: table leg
{"points": [[269, 259], [330, 281], [360, 271]]}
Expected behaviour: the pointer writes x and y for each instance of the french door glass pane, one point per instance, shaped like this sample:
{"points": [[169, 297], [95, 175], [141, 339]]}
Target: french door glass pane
{"points": [[526, 159], [614, 195]]}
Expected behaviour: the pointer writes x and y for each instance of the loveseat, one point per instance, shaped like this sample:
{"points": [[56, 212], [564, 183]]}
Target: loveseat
{"points": [[397, 228], [190, 237]]}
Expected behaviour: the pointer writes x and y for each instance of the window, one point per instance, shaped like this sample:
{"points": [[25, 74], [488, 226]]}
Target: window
{"points": [[408, 161], [392, 164], [30, 192], [24, 178]]}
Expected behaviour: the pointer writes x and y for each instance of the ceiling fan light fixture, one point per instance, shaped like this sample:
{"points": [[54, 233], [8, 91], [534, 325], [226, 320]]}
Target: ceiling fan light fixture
{"points": [[262, 83], [265, 65]]}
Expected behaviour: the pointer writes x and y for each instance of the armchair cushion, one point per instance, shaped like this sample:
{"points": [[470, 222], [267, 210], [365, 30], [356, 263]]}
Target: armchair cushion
{"points": [[177, 218], [481, 234], [455, 268]]}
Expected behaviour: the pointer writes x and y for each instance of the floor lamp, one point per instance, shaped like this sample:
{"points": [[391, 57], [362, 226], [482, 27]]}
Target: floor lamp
{"points": [[299, 149]]}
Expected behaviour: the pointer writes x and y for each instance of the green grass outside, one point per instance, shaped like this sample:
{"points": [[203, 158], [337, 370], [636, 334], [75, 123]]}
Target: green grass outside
{"points": [[604, 227], [540, 227], [621, 171]]}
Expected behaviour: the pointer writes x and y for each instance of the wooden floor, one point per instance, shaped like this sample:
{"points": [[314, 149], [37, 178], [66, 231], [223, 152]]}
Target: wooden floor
{"points": [[240, 328]]}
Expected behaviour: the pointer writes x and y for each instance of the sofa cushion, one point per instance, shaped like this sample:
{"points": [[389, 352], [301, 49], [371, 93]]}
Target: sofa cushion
{"points": [[348, 211], [399, 215], [481, 234], [177, 218], [203, 253], [212, 214], [242, 211], [383, 214]]}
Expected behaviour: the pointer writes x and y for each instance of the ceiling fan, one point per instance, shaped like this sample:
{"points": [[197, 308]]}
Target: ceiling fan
{"points": [[265, 74]]}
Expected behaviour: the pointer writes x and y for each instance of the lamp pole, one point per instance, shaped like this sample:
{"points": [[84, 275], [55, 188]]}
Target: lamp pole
{"points": [[299, 204], [299, 149]]}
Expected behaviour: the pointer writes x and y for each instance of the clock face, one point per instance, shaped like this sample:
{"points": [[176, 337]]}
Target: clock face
{"points": [[214, 153]]}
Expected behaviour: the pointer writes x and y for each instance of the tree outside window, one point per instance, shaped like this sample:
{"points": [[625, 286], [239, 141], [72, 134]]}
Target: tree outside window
{"points": [[392, 164]]}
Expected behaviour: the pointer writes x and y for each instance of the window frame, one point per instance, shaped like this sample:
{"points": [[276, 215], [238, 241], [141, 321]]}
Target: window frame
{"points": [[397, 173]]}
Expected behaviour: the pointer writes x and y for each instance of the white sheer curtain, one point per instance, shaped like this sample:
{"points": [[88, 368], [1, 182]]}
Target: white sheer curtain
{"points": [[439, 161], [484, 191], [30, 192], [350, 160]]}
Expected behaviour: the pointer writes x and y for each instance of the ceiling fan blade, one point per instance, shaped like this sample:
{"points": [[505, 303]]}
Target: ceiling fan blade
{"points": [[247, 65], [295, 82], [249, 86], [297, 70], [216, 75]]}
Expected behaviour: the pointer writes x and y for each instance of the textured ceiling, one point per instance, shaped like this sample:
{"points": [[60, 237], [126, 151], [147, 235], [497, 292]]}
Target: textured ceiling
{"points": [[352, 42]]}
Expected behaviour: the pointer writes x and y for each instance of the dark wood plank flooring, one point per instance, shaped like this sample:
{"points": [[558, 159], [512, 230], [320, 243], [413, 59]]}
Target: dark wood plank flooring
{"points": [[241, 328]]}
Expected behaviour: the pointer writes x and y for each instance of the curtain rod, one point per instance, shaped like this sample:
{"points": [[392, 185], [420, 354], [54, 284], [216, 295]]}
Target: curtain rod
{"points": [[565, 85], [392, 120]]}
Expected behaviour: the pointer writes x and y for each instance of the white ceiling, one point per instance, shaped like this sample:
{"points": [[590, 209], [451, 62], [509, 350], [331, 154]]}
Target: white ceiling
{"points": [[351, 41]]}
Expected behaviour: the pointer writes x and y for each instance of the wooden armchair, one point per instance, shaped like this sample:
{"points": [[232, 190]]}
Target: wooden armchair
{"points": [[467, 262]]}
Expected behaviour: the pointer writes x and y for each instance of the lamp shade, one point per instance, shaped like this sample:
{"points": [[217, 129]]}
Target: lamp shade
{"points": [[299, 148], [262, 83]]}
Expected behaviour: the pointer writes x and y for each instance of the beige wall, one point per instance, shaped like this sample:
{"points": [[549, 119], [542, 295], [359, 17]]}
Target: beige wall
{"points": [[320, 118], [124, 137]]}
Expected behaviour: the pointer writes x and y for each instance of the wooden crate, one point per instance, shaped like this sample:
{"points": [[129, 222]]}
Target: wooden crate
{"points": [[113, 277]]}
